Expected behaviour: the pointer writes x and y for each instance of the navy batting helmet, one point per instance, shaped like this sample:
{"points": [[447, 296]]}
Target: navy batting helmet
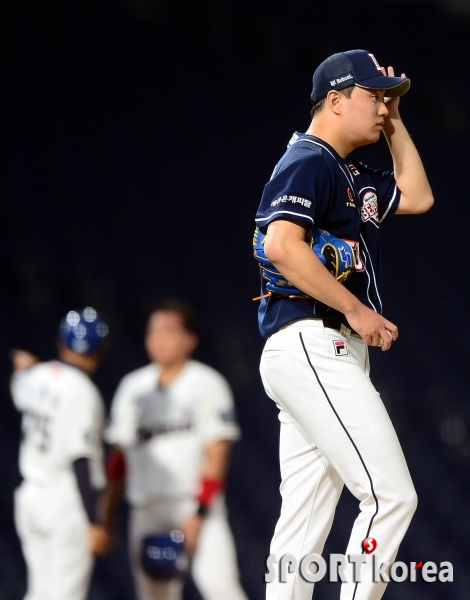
{"points": [[84, 331], [163, 555]]}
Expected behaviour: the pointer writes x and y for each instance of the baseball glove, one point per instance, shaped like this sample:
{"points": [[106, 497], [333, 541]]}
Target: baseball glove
{"points": [[336, 254]]}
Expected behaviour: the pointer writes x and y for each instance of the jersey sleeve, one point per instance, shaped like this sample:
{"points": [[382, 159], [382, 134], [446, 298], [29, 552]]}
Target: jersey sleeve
{"points": [[298, 189], [86, 420], [217, 418], [388, 193], [122, 422]]}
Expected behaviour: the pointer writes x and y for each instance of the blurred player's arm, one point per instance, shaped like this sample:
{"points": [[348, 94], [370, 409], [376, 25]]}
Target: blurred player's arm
{"points": [[286, 248], [213, 474], [83, 447], [112, 496], [97, 533], [21, 361]]}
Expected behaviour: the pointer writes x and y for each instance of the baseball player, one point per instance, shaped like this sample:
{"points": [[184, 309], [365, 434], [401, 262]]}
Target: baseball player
{"points": [[334, 427], [173, 424], [61, 460]]}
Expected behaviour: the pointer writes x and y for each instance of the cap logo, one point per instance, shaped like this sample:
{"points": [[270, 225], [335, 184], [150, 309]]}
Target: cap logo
{"points": [[346, 77], [375, 61]]}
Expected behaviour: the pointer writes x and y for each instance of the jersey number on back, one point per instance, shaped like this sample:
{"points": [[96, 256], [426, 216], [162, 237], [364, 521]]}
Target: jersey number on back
{"points": [[36, 430]]}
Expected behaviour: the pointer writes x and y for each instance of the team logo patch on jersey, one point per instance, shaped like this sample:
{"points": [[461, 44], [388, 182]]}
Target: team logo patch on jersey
{"points": [[341, 348], [370, 205]]}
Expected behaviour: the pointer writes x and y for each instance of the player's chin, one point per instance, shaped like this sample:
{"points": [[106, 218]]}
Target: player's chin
{"points": [[373, 137], [375, 134], [370, 138]]}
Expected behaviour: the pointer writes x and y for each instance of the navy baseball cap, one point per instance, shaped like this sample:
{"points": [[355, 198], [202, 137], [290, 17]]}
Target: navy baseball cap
{"points": [[354, 67]]}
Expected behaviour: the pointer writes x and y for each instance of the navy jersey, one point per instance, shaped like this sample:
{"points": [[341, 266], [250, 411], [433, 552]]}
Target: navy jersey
{"points": [[312, 183]]}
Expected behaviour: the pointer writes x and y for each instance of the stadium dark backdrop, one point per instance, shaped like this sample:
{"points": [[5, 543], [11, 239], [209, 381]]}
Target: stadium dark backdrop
{"points": [[136, 139]]}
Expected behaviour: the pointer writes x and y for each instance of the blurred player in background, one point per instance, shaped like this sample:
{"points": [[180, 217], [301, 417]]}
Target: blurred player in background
{"points": [[173, 424], [61, 460]]}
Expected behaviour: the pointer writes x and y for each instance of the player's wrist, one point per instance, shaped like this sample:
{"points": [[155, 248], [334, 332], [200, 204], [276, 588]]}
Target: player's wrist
{"points": [[351, 305], [202, 510], [209, 489]]}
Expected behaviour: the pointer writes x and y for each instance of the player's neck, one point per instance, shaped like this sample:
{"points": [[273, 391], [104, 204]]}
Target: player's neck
{"points": [[87, 363], [331, 136], [169, 372]]}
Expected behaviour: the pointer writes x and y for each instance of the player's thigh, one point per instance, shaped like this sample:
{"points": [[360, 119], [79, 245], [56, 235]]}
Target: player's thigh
{"points": [[302, 465], [358, 437], [215, 567], [309, 484], [334, 401], [34, 543], [71, 563], [35, 551], [291, 362]]}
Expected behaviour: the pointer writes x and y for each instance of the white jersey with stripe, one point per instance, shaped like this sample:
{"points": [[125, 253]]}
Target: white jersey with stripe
{"points": [[164, 431]]}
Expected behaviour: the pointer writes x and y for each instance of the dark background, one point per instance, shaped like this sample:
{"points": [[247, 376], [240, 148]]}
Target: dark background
{"points": [[136, 137]]}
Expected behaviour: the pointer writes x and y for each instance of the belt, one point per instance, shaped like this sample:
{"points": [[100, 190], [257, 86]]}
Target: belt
{"points": [[330, 324], [341, 327]]}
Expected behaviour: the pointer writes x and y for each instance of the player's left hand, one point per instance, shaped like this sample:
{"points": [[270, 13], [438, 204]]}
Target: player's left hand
{"points": [[392, 103], [191, 528]]}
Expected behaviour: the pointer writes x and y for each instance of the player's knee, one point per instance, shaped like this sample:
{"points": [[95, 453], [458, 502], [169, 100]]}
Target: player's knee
{"points": [[408, 502]]}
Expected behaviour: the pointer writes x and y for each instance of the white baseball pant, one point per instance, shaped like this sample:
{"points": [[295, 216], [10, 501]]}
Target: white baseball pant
{"points": [[214, 566], [52, 525], [334, 430]]}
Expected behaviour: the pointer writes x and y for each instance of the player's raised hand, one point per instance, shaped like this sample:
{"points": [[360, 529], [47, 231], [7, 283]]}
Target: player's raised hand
{"points": [[392, 103], [374, 329], [22, 359]]}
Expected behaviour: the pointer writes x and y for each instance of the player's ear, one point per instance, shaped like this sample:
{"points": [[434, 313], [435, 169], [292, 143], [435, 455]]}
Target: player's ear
{"points": [[333, 101], [194, 341]]}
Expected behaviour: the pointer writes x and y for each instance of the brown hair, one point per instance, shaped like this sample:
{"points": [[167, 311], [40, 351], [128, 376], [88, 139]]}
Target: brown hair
{"points": [[188, 317]]}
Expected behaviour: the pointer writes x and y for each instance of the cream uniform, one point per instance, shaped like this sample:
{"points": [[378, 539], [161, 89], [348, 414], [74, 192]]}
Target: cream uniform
{"points": [[62, 421], [163, 433]]}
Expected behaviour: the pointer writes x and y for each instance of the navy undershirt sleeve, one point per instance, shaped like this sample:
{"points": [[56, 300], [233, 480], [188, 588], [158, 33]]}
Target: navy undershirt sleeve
{"points": [[89, 495]]}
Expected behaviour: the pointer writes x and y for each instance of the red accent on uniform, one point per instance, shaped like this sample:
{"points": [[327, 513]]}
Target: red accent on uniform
{"points": [[419, 565], [209, 489], [115, 465]]}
